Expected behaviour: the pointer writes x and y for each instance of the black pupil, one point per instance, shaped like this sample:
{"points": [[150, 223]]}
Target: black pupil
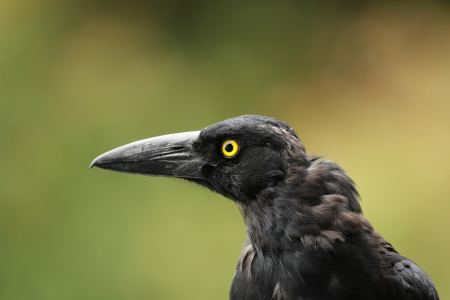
{"points": [[229, 147]]}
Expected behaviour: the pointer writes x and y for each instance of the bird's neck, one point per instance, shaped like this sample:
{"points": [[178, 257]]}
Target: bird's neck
{"points": [[275, 225], [300, 206]]}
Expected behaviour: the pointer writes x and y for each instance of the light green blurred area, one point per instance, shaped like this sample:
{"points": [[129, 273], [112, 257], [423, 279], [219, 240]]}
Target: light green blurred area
{"points": [[366, 84]]}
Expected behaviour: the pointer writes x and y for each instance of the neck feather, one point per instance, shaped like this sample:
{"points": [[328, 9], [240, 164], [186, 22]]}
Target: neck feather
{"points": [[301, 205]]}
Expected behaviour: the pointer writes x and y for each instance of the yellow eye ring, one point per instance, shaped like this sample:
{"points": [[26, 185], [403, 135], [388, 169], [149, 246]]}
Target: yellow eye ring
{"points": [[230, 148]]}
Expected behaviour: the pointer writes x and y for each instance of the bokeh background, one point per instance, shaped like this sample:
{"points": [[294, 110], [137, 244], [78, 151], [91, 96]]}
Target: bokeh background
{"points": [[366, 84]]}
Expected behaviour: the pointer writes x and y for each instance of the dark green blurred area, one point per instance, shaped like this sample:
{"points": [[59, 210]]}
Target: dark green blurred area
{"points": [[366, 84]]}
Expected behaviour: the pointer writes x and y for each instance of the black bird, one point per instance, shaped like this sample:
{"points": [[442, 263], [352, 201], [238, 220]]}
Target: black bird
{"points": [[307, 238]]}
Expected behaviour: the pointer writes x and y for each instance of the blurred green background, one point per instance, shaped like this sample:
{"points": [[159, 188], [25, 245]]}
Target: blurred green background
{"points": [[366, 84]]}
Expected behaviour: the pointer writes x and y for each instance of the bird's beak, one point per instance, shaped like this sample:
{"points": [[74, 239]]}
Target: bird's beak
{"points": [[168, 155]]}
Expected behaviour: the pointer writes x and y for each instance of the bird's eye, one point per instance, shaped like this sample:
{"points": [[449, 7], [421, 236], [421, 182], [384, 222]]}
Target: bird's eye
{"points": [[230, 148]]}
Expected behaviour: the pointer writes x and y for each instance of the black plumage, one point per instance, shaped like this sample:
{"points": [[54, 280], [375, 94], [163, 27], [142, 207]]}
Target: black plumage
{"points": [[307, 238]]}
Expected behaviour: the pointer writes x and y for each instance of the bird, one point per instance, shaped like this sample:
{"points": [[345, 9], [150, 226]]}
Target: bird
{"points": [[307, 237]]}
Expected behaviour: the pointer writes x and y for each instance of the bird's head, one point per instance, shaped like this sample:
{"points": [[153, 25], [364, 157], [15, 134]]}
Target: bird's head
{"points": [[238, 158]]}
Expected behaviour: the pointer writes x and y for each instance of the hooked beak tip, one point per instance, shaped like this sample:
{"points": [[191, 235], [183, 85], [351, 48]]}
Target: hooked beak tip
{"points": [[93, 163]]}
